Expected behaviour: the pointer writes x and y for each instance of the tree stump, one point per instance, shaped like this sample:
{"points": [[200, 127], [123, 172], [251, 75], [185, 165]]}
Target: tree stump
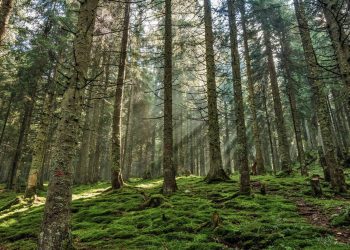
{"points": [[152, 202], [315, 186]]}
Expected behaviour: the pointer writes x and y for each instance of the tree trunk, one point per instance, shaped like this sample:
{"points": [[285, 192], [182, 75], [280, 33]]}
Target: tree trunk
{"points": [[127, 129], [336, 172], [25, 124], [96, 161], [227, 149], [40, 143], [242, 149], [116, 173], [256, 130], [81, 171], [286, 51], [55, 230], [280, 123], [5, 12], [216, 171], [274, 157], [7, 115], [169, 185]]}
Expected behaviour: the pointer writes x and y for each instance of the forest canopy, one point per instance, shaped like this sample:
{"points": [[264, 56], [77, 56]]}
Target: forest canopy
{"points": [[212, 124]]}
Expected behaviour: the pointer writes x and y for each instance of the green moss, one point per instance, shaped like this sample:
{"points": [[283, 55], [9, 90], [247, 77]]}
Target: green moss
{"points": [[342, 219], [113, 219]]}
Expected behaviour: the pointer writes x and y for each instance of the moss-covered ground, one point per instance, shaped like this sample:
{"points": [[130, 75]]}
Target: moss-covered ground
{"points": [[113, 220]]}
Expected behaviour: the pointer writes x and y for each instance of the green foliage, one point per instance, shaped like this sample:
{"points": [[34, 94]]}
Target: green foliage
{"points": [[103, 219], [342, 219]]}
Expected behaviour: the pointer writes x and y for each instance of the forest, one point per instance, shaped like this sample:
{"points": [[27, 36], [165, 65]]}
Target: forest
{"points": [[174, 124]]}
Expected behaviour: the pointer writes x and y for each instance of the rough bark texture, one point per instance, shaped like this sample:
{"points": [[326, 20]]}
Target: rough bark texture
{"points": [[55, 230], [251, 99], [286, 51], [169, 185], [216, 171], [5, 12], [241, 146], [336, 172], [116, 174], [280, 123]]}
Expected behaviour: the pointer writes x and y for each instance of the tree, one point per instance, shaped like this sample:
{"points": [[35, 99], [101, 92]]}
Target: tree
{"points": [[340, 39], [216, 171], [280, 122], [55, 230], [291, 92], [242, 150], [169, 184], [336, 172], [256, 130], [117, 179]]}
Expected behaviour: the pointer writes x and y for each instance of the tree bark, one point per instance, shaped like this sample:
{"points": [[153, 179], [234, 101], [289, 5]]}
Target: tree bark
{"points": [[216, 171], [116, 172], [280, 123], [242, 149], [5, 12], [286, 51], [55, 230], [169, 184], [256, 130]]}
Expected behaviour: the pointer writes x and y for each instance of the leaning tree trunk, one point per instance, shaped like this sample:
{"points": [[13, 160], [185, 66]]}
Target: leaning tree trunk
{"points": [[242, 149], [216, 171], [280, 123], [5, 12], [116, 171], [55, 230], [256, 130], [169, 185], [336, 172]]}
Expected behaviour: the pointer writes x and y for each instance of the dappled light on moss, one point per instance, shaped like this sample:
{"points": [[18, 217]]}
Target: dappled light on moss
{"points": [[114, 219]]}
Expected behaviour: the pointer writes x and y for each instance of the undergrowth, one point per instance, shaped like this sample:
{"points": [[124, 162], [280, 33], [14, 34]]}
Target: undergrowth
{"points": [[113, 219]]}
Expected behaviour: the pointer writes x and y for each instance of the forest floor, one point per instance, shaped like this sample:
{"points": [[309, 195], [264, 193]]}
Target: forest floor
{"points": [[287, 217]]}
